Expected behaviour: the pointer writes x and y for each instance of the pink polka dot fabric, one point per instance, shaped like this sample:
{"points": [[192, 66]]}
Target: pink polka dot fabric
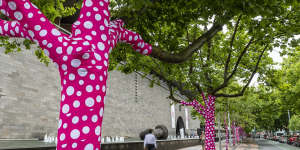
{"points": [[82, 59], [208, 112]]}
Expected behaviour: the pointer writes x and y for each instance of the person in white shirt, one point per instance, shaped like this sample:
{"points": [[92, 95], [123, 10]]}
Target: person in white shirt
{"points": [[150, 141]]}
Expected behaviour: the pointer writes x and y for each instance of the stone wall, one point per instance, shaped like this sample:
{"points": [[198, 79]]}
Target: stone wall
{"points": [[29, 101]]}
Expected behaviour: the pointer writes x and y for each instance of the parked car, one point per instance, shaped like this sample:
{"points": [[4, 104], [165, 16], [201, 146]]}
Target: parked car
{"points": [[292, 139], [265, 136], [297, 142], [283, 139]]}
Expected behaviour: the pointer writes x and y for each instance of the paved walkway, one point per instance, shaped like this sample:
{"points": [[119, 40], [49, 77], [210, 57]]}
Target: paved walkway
{"points": [[246, 145], [251, 144]]}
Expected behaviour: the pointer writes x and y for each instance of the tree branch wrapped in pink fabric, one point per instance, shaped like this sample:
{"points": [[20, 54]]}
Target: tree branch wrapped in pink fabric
{"points": [[82, 58]]}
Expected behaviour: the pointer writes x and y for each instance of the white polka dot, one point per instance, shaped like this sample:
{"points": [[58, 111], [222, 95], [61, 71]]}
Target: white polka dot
{"points": [[88, 25], [64, 67], [103, 37], [101, 78], [63, 97], [43, 33], [50, 45], [62, 137], [105, 12], [65, 125], [102, 27], [86, 56], [37, 28], [69, 50], [101, 46], [103, 88], [88, 3], [43, 19], [89, 147], [95, 9], [82, 72], [94, 33], [27, 5], [59, 123], [101, 3], [60, 39], [98, 17], [106, 55], [101, 112], [105, 63], [98, 98], [92, 77], [97, 87], [71, 76], [55, 32], [88, 14], [88, 37], [75, 63], [89, 102], [75, 134], [70, 90], [89, 88], [74, 145], [17, 29], [12, 5], [18, 15], [64, 145], [78, 49], [75, 120], [76, 104], [86, 130], [97, 56], [65, 108], [94, 118], [86, 43], [84, 118], [77, 32], [106, 22], [59, 50], [78, 93], [77, 23], [98, 130], [145, 52], [65, 58], [30, 15], [81, 82]]}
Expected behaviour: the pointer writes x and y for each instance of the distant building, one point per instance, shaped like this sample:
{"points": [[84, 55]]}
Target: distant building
{"points": [[30, 98]]}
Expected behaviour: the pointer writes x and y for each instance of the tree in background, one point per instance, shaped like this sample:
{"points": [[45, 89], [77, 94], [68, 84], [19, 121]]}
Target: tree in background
{"points": [[294, 123]]}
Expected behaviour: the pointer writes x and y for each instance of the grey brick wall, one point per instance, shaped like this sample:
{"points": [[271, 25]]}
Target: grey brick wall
{"points": [[30, 95]]}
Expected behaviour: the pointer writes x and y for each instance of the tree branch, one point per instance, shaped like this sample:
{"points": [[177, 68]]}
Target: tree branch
{"points": [[241, 93], [188, 52], [172, 95], [231, 47], [224, 84], [180, 86]]}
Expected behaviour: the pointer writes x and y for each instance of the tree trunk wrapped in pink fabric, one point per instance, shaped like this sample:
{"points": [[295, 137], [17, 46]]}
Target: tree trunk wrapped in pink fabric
{"points": [[227, 133], [82, 59], [233, 132], [208, 112]]}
